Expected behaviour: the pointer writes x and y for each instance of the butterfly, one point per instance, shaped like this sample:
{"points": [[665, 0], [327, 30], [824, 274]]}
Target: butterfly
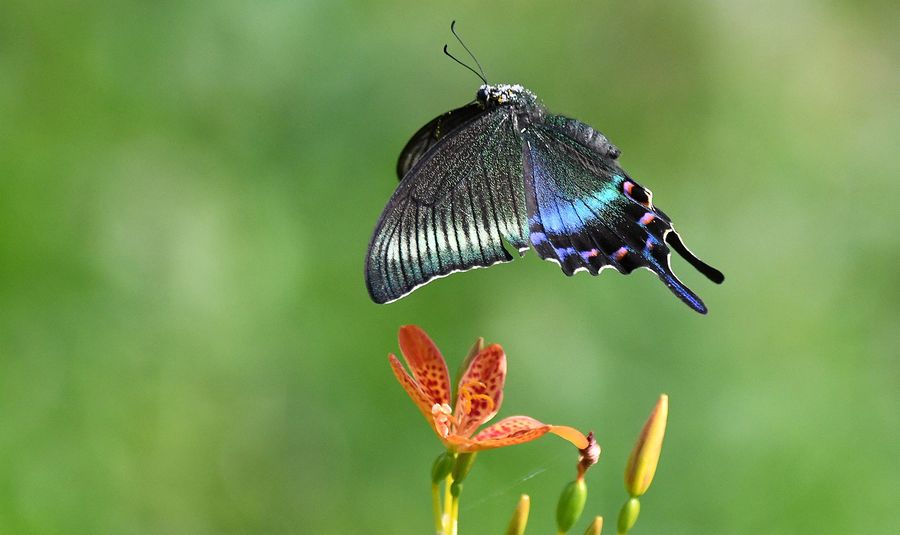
{"points": [[503, 170]]}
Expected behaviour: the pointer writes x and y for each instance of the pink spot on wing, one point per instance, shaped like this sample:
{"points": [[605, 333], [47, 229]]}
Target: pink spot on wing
{"points": [[647, 219], [620, 253]]}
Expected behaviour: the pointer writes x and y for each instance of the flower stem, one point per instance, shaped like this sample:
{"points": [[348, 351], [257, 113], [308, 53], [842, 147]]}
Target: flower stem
{"points": [[445, 517], [436, 508], [454, 515]]}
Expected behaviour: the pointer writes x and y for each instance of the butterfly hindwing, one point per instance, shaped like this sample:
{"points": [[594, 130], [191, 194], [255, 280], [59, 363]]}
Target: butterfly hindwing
{"points": [[427, 136], [586, 213], [456, 205]]}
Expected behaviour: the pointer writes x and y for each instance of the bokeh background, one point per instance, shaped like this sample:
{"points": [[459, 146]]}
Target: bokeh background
{"points": [[186, 194]]}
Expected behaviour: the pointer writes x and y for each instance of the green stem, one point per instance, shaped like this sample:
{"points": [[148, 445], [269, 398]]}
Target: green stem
{"points": [[445, 516], [436, 508], [454, 515]]}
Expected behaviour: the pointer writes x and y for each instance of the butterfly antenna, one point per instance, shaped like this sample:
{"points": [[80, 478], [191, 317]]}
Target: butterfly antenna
{"points": [[451, 56], [471, 55]]}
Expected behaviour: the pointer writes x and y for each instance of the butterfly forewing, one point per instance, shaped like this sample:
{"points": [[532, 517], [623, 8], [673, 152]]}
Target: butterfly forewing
{"points": [[586, 213], [461, 198], [436, 129]]}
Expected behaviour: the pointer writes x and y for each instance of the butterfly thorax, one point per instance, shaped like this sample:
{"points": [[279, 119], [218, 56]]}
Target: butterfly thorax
{"points": [[514, 95]]}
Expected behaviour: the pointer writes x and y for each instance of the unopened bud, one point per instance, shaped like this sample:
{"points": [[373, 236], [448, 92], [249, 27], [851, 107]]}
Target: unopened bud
{"points": [[441, 467], [629, 515], [520, 517], [473, 352], [645, 456], [464, 462], [596, 526], [571, 504]]}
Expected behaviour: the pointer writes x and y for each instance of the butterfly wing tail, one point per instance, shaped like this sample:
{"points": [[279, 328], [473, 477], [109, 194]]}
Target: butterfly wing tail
{"points": [[682, 292], [713, 274]]}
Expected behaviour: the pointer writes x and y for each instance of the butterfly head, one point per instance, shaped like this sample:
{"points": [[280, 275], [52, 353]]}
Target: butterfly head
{"points": [[497, 95]]}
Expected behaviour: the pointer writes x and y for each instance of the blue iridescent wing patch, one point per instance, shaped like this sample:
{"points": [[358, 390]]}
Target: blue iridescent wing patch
{"points": [[459, 202], [586, 213]]}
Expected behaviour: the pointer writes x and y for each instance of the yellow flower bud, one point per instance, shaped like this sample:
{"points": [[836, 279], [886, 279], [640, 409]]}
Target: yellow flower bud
{"points": [[520, 517], [645, 456], [596, 526]]}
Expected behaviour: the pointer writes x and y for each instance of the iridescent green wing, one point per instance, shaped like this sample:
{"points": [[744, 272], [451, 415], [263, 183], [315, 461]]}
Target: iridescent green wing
{"points": [[428, 136], [453, 210]]}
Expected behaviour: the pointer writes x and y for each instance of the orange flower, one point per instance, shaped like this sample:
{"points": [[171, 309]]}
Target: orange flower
{"points": [[478, 397]]}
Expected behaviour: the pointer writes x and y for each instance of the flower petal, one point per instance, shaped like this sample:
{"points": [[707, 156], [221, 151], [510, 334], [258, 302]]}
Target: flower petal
{"points": [[507, 432], [415, 393], [573, 435], [426, 363], [509, 425], [480, 390]]}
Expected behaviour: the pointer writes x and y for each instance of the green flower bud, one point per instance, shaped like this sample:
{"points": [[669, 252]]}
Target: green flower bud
{"points": [[571, 504], [629, 515], [464, 365], [520, 517], [464, 462], [442, 467]]}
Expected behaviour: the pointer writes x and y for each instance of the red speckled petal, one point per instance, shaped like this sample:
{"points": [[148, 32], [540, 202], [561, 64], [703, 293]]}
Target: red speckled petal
{"points": [[426, 363], [482, 381], [508, 432], [415, 393]]}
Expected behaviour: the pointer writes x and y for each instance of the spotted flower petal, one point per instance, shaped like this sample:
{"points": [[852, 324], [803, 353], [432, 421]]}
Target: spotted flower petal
{"points": [[507, 432], [480, 390], [426, 363], [422, 401], [519, 429]]}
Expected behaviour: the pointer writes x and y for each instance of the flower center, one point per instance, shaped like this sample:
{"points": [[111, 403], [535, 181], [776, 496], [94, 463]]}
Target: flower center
{"points": [[468, 393], [443, 417], [445, 421]]}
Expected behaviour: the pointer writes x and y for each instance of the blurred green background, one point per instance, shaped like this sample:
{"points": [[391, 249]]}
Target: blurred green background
{"points": [[186, 194]]}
